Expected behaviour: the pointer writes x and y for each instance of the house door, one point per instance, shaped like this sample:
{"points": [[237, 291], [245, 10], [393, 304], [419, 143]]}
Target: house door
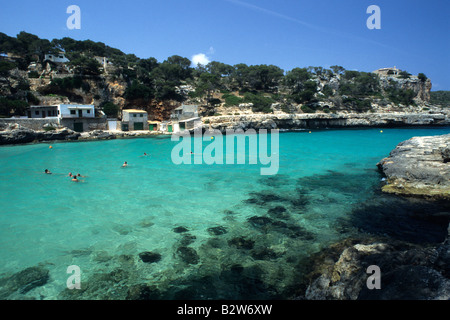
{"points": [[150, 127], [138, 126], [182, 126], [124, 126], [80, 113], [43, 113], [78, 127], [169, 128]]}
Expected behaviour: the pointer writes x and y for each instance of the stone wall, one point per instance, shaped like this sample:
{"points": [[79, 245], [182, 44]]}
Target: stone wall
{"points": [[33, 124], [89, 124]]}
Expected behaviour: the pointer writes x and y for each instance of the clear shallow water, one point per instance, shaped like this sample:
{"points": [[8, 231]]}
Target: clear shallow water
{"points": [[269, 225]]}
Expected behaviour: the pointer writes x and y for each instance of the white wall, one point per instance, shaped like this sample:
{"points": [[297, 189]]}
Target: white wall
{"points": [[64, 111]]}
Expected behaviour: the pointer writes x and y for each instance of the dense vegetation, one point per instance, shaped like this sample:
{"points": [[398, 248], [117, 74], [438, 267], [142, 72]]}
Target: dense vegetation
{"points": [[150, 81], [440, 98]]}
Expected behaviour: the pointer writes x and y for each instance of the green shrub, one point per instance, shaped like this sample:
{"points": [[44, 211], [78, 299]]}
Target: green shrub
{"points": [[401, 96], [422, 77], [308, 109], [260, 102], [404, 74], [110, 109], [232, 100]]}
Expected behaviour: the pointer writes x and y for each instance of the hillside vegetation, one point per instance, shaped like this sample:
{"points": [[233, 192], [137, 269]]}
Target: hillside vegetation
{"points": [[26, 78]]}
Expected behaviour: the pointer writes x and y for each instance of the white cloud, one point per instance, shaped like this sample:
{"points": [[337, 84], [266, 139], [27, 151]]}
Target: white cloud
{"points": [[200, 58]]}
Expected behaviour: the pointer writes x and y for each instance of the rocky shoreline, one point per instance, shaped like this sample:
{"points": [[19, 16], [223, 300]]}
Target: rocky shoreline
{"points": [[420, 167], [25, 135], [16, 134], [407, 271], [326, 120]]}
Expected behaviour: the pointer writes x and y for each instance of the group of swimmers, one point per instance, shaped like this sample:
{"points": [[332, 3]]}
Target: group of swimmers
{"points": [[75, 178]]}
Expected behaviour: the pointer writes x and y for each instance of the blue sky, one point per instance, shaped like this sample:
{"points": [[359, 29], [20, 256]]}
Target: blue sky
{"points": [[414, 34]]}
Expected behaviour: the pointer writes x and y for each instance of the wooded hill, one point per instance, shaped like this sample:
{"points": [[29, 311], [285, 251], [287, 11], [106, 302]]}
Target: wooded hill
{"points": [[150, 84]]}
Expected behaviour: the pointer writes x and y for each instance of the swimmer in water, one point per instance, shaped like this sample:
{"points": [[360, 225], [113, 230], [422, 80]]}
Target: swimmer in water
{"points": [[74, 179], [47, 171], [70, 174], [125, 164]]}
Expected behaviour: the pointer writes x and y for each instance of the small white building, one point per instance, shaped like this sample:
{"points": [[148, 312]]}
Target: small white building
{"points": [[134, 119], [186, 111], [42, 112], [77, 117], [76, 111], [56, 58]]}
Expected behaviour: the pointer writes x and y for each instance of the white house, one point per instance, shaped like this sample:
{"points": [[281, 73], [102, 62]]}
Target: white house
{"points": [[76, 111], [57, 58], [41, 112], [62, 111]]}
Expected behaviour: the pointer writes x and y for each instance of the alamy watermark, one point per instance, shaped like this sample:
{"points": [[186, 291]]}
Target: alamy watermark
{"points": [[213, 153], [374, 281], [74, 281], [74, 21], [374, 21]]}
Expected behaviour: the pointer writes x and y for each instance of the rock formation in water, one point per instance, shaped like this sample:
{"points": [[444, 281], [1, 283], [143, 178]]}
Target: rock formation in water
{"points": [[419, 166]]}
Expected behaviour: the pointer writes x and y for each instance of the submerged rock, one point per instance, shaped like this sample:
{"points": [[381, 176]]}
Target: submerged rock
{"points": [[420, 167], [278, 212], [150, 257], [180, 229], [217, 231], [143, 292], [187, 239], [188, 255], [241, 243], [264, 254], [23, 281]]}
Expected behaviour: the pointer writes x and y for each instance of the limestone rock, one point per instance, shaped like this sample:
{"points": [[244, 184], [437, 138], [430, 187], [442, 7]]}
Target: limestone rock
{"points": [[407, 273], [419, 167]]}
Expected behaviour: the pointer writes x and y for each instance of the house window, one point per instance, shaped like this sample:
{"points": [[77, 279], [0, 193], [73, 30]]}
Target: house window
{"points": [[141, 115], [134, 115], [72, 112], [36, 112], [88, 111]]}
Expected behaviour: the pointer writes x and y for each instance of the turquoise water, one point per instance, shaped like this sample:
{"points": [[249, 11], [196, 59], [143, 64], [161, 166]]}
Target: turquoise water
{"points": [[103, 223]]}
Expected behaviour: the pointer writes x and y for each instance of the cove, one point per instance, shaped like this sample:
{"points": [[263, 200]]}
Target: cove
{"points": [[240, 235]]}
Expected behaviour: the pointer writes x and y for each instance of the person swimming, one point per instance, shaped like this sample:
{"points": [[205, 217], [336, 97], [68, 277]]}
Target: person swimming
{"points": [[47, 171], [70, 174], [74, 179], [125, 164]]}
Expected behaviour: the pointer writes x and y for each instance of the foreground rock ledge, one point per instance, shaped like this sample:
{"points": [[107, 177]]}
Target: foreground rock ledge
{"points": [[419, 167]]}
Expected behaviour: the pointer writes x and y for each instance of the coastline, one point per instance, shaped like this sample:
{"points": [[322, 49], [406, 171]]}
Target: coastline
{"points": [[17, 134]]}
